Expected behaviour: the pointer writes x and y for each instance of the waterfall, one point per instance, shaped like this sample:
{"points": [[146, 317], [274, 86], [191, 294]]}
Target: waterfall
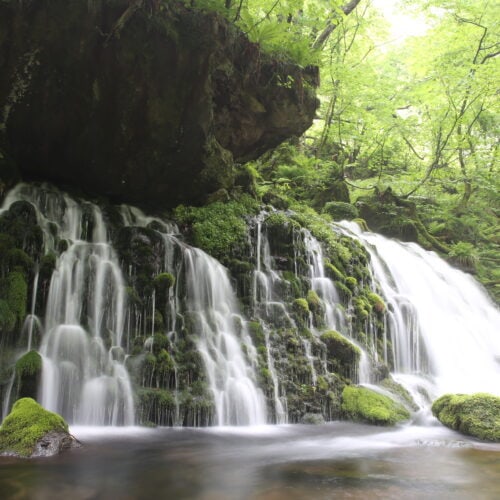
{"points": [[83, 376], [212, 300], [333, 317], [216, 322], [269, 309], [115, 339], [87, 325], [443, 327]]}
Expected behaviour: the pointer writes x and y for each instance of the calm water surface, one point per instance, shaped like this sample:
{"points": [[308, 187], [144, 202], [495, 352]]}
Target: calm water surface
{"points": [[332, 461]]}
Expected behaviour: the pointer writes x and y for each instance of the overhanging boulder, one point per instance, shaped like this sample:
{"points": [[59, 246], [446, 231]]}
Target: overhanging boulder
{"points": [[140, 101]]}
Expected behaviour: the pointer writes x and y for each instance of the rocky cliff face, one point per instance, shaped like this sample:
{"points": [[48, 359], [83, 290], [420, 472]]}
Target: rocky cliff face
{"points": [[140, 101]]}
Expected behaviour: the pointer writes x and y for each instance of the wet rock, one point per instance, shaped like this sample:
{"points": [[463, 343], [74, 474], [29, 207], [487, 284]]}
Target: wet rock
{"points": [[31, 431], [364, 405], [477, 415], [146, 102]]}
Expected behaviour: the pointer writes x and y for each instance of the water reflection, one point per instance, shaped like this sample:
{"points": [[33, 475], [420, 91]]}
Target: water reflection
{"points": [[336, 460]]}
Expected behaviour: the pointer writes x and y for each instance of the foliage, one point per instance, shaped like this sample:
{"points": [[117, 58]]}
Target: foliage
{"points": [[26, 424], [364, 405], [420, 115], [463, 254], [477, 415]]}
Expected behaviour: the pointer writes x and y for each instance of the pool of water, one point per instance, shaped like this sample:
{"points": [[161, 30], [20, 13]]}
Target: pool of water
{"points": [[336, 460]]}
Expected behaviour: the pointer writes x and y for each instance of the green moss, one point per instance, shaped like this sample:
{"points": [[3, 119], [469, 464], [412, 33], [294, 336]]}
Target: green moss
{"points": [[340, 210], [342, 355], [477, 415], [26, 424], [164, 281], [47, 266], [363, 405], [7, 317], [339, 254], [218, 228], [400, 392], [351, 283], [361, 223], [332, 272], [362, 308], [295, 283], [17, 295], [313, 301], [376, 302], [256, 332], [29, 364], [344, 292], [28, 370], [301, 307]]}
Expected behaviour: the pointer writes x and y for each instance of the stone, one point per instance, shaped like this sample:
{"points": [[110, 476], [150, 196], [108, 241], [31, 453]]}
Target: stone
{"points": [[476, 415], [31, 431], [145, 102]]}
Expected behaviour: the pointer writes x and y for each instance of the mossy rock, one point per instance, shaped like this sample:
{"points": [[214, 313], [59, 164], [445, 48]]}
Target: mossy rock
{"points": [[28, 369], [313, 301], [376, 302], [219, 228], [476, 415], [7, 318], [342, 355], [20, 223], [15, 290], [164, 281], [398, 390], [340, 210], [301, 306], [364, 405], [32, 431]]}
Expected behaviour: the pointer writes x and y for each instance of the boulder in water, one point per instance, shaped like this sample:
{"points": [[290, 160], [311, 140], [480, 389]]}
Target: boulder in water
{"points": [[364, 405], [31, 431], [477, 415]]}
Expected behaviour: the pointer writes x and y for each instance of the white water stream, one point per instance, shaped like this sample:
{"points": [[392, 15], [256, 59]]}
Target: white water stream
{"points": [[443, 332], [444, 329]]}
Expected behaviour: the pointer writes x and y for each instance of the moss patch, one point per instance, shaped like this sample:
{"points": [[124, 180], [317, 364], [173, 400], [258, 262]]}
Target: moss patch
{"points": [[26, 424], [341, 210], [220, 228], [342, 355], [477, 415], [363, 405]]}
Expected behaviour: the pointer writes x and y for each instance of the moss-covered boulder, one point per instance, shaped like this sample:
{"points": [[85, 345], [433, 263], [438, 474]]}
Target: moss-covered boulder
{"points": [[340, 210], [477, 415], [342, 355], [31, 431], [28, 370], [364, 405]]}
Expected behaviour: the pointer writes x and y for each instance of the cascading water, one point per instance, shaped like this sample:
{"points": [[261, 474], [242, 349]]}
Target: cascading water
{"points": [[217, 323], [334, 316], [212, 301], [83, 376], [443, 327], [188, 347], [269, 309], [87, 329]]}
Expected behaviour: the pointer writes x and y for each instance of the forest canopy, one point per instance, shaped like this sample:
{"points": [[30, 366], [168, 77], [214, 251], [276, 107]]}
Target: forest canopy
{"points": [[418, 114]]}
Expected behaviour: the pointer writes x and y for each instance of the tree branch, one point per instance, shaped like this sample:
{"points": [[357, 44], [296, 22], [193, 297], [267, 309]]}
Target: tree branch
{"points": [[333, 23]]}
